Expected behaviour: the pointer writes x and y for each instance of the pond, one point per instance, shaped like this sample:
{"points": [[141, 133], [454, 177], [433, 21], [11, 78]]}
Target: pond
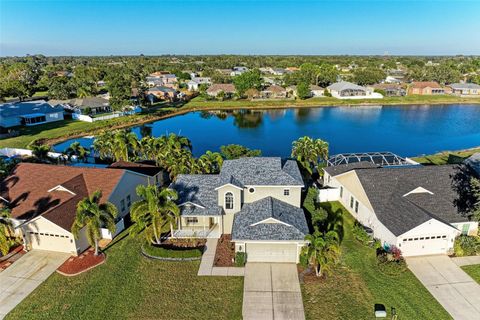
{"points": [[406, 130]]}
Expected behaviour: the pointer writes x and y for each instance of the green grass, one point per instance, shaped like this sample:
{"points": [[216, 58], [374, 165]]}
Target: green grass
{"points": [[130, 286], [446, 157], [166, 253], [473, 271], [358, 283]]}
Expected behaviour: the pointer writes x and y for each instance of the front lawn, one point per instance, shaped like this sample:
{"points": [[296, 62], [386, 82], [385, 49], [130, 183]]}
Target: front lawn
{"points": [[130, 286], [473, 271], [357, 284]]}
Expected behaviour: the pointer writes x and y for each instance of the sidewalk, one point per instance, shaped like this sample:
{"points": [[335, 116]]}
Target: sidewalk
{"points": [[465, 261], [206, 265]]}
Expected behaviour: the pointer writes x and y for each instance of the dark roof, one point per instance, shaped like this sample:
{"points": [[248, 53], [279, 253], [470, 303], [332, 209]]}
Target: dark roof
{"points": [[266, 171], [198, 190], [162, 89], [342, 168], [474, 162], [292, 224], [142, 168], [387, 190]]}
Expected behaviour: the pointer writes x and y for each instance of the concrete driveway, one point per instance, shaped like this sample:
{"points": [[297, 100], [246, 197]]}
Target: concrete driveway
{"points": [[27, 273], [272, 291], [456, 291]]}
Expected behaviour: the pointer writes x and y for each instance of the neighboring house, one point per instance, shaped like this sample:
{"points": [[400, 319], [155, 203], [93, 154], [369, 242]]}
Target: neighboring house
{"points": [[90, 105], [154, 174], [28, 113], [348, 90], [215, 89], [162, 93], [195, 83], [161, 78], [43, 200], [256, 200], [411, 207], [391, 89], [278, 71], [392, 79], [236, 71], [274, 92], [474, 162], [316, 91], [465, 89], [425, 88], [154, 81]]}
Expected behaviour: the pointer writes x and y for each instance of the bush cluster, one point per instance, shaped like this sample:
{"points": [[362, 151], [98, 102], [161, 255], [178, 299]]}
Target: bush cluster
{"points": [[360, 234], [467, 246], [240, 259]]}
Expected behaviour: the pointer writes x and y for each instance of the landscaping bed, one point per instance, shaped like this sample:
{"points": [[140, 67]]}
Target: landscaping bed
{"points": [[225, 252], [14, 254], [175, 249], [79, 264]]}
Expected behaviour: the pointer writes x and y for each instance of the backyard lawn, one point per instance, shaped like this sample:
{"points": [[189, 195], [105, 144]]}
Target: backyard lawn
{"points": [[130, 286], [357, 284], [447, 157], [473, 271]]}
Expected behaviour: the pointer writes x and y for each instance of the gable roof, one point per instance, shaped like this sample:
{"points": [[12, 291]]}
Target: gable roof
{"points": [[256, 221], [425, 84], [387, 190], [474, 162], [344, 85], [459, 86], [225, 87], [276, 89], [24, 108], [31, 192]]}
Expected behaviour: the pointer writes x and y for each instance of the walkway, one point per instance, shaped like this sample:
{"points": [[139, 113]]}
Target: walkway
{"points": [[466, 261], [451, 286], [27, 273], [272, 291], [208, 257]]}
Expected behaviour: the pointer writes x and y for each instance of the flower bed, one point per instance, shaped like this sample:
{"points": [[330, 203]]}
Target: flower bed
{"points": [[225, 252], [84, 262], [175, 250]]}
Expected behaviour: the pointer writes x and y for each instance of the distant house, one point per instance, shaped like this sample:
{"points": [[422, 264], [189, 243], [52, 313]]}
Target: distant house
{"points": [[316, 91], [278, 71], [162, 93], [28, 113], [160, 78], [425, 88], [391, 79], [391, 89], [348, 90], [90, 105], [236, 71], [465, 89], [274, 92], [292, 69], [215, 89], [195, 83], [153, 174]]}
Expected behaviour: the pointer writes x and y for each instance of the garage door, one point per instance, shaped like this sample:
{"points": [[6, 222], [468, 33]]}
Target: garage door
{"points": [[424, 245], [268, 252], [50, 242]]}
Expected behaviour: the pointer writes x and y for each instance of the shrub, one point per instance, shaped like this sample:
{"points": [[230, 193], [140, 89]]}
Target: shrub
{"points": [[466, 246], [156, 251], [360, 234], [240, 259], [390, 260]]}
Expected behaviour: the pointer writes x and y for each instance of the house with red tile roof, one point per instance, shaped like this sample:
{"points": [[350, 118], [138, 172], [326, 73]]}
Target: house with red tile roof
{"points": [[43, 200]]}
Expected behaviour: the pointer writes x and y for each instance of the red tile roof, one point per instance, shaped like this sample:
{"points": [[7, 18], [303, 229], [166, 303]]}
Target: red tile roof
{"points": [[29, 190]]}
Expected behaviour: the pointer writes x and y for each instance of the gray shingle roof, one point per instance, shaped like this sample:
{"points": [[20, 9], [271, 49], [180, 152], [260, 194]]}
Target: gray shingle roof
{"points": [[19, 109], [294, 226], [386, 189], [343, 85], [199, 190], [460, 86], [474, 162], [266, 171]]}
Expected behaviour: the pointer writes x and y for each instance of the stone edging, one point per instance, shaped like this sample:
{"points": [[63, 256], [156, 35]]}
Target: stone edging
{"points": [[169, 259], [89, 268]]}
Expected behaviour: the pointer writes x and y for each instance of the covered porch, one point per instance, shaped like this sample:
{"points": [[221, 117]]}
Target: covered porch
{"points": [[198, 227]]}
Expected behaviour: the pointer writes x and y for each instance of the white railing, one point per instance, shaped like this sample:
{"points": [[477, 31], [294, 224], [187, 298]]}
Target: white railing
{"points": [[119, 227]]}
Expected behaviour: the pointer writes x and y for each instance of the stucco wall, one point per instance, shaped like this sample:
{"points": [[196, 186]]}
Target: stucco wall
{"points": [[472, 227], [237, 198], [276, 192], [126, 186]]}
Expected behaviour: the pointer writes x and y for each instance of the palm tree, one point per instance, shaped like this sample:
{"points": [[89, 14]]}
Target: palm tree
{"points": [[125, 144], [76, 149], [103, 145], [40, 151], [156, 208], [6, 230], [309, 153], [210, 162], [94, 215], [322, 252]]}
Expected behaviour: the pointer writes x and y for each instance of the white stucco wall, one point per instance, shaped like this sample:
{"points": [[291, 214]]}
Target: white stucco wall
{"points": [[237, 198], [126, 186], [277, 192]]}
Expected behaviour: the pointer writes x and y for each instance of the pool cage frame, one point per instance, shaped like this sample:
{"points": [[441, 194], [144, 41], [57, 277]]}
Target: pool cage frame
{"points": [[378, 158]]}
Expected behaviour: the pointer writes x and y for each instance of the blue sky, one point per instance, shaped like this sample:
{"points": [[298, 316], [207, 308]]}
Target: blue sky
{"points": [[239, 27]]}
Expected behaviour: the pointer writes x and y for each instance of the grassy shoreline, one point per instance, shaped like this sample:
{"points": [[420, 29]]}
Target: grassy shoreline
{"points": [[56, 132]]}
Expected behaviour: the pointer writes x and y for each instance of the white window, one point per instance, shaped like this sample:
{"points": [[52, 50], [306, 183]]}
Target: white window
{"points": [[356, 206], [341, 192], [229, 200], [351, 202], [286, 192], [192, 220]]}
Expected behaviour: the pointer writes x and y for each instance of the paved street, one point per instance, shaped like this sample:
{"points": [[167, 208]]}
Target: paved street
{"points": [[27, 273], [272, 291], [456, 291]]}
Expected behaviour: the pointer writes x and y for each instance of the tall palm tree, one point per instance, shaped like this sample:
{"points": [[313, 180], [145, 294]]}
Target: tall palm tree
{"points": [[309, 152], [6, 230], [40, 151], [323, 251], [94, 215], [210, 162], [156, 208], [103, 145], [125, 145], [76, 149]]}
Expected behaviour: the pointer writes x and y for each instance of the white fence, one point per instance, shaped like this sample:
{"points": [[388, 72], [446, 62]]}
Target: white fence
{"points": [[15, 152], [86, 118], [118, 228], [328, 194]]}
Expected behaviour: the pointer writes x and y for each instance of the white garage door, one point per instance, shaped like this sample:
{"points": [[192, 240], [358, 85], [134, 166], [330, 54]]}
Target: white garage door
{"points": [[269, 252], [424, 245], [50, 242]]}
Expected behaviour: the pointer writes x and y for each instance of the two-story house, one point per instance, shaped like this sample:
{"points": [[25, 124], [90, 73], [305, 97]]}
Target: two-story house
{"points": [[255, 200]]}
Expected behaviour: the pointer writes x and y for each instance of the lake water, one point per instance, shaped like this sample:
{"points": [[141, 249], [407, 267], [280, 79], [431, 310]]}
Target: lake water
{"points": [[405, 130]]}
